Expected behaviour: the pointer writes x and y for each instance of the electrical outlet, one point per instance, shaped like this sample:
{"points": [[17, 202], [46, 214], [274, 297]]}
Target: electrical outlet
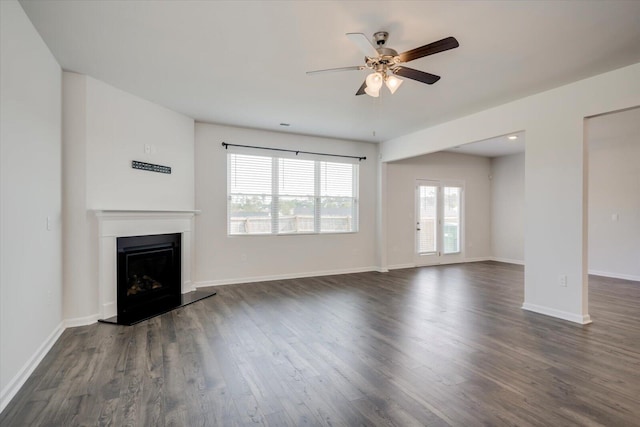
{"points": [[562, 280]]}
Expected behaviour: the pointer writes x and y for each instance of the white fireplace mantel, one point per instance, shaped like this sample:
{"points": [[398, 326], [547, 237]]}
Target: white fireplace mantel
{"points": [[123, 223]]}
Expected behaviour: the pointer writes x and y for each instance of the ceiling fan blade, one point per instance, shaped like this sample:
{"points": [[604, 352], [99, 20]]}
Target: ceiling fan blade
{"points": [[362, 88], [363, 44], [333, 70], [417, 75], [429, 49]]}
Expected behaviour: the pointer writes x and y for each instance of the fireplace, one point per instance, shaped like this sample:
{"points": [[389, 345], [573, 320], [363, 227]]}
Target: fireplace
{"points": [[148, 277], [155, 244]]}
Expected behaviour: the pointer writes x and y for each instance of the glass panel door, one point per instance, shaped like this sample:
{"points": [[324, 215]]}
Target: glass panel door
{"points": [[451, 229], [438, 222], [426, 224]]}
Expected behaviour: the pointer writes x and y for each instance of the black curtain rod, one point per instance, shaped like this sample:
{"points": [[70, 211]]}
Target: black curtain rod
{"points": [[225, 145]]}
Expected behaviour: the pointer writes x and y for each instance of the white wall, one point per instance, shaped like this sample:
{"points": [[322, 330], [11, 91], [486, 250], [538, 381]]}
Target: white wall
{"points": [[79, 261], [614, 189], [224, 259], [507, 208], [555, 177], [473, 171], [119, 126], [104, 130], [30, 254]]}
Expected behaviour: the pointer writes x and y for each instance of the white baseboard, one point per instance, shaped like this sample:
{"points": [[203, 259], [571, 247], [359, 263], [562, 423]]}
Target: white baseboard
{"points": [[615, 275], [234, 281], [81, 321], [582, 319], [27, 369], [400, 266], [460, 261], [187, 287], [476, 259], [507, 260], [108, 310]]}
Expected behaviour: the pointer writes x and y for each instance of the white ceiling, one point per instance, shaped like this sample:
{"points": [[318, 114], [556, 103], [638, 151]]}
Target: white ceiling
{"points": [[243, 62]]}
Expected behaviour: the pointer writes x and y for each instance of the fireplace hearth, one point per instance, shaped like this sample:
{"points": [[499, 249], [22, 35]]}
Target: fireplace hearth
{"points": [[149, 278]]}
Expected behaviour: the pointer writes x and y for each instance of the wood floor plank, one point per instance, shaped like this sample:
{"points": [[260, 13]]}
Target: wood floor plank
{"points": [[437, 346]]}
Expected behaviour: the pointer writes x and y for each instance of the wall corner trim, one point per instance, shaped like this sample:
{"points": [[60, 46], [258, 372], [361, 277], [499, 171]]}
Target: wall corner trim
{"points": [[27, 369], [583, 319]]}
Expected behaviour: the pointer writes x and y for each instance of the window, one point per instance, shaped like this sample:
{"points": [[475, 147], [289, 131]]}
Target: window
{"points": [[281, 195]]}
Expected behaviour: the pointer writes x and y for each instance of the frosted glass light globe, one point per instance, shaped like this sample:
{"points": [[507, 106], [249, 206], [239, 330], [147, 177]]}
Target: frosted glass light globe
{"points": [[374, 81], [393, 83]]}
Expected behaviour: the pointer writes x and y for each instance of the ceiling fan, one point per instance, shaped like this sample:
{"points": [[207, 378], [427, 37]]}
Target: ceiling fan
{"points": [[385, 62]]}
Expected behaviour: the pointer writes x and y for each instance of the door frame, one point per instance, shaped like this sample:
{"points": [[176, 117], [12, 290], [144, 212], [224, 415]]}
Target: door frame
{"points": [[439, 257]]}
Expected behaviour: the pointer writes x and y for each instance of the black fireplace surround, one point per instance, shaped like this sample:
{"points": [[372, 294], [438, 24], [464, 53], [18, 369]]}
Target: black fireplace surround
{"points": [[149, 276], [149, 279]]}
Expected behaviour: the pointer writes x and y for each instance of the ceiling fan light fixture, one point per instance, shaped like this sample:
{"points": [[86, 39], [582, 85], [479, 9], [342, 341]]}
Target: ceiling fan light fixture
{"points": [[383, 61], [372, 92], [393, 83], [374, 81]]}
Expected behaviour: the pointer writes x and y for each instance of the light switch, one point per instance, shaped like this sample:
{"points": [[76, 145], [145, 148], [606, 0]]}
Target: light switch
{"points": [[614, 217], [562, 280]]}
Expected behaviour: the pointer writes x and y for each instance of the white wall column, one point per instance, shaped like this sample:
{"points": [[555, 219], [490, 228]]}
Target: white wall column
{"points": [[381, 218]]}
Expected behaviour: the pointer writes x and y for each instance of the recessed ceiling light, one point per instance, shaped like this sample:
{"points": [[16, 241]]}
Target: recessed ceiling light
{"points": [[513, 137], [285, 124]]}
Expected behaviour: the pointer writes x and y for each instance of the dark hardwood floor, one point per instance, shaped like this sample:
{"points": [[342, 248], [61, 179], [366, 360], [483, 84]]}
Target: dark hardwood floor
{"points": [[433, 346]]}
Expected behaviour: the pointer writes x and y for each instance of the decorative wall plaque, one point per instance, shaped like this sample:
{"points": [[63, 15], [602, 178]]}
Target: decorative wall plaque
{"points": [[150, 167]]}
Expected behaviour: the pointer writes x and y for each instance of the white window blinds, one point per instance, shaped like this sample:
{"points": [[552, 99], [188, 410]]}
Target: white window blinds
{"points": [[281, 195]]}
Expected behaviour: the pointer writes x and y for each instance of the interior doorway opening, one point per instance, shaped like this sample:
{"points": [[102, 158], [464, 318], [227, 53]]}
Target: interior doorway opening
{"points": [[612, 154]]}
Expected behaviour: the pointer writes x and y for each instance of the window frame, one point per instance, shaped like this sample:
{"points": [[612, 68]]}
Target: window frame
{"points": [[274, 196]]}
